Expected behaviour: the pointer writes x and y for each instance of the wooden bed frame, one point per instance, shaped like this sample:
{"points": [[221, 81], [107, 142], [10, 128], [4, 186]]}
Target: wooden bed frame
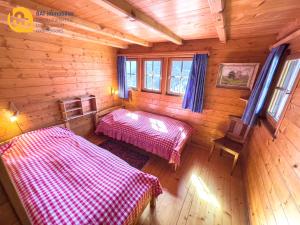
{"points": [[102, 113], [11, 192], [18, 206], [152, 202], [13, 197]]}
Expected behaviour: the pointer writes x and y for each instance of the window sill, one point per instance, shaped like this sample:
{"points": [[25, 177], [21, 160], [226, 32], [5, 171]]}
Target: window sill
{"points": [[175, 95], [153, 92]]}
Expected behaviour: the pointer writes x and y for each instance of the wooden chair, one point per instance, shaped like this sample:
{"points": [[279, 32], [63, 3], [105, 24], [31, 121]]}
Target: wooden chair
{"points": [[234, 140]]}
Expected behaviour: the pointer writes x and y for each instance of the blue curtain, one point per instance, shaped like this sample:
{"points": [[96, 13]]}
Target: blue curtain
{"points": [[194, 93], [122, 81], [262, 85]]}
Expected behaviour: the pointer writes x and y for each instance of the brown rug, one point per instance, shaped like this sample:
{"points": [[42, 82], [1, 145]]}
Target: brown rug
{"points": [[129, 153]]}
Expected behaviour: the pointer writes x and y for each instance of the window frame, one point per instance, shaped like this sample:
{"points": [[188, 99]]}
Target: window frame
{"points": [[137, 73], [272, 123], [170, 59], [144, 75]]}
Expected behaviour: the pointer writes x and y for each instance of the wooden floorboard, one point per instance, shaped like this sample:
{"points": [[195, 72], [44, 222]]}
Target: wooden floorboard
{"points": [[199, 192]]}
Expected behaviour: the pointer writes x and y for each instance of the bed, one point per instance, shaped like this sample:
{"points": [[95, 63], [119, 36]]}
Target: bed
{"points": [[61, 178], [160, 135]]}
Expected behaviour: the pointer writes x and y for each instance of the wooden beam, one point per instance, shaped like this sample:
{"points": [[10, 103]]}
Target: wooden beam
{"points": [[220, 26], [288, 29], [43, 28], [76, 22], [123, 8], [217, 8], [287, 39]]}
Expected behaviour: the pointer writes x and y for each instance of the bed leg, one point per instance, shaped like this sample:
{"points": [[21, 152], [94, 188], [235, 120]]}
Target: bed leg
{"points": [[153, 203]]}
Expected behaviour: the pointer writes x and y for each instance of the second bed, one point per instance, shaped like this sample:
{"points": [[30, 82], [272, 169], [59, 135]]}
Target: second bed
{"points": [[160, 135]]}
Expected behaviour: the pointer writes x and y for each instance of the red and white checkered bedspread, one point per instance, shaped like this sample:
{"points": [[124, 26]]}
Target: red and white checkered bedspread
{"points": [[159, 135], [62, 178]]}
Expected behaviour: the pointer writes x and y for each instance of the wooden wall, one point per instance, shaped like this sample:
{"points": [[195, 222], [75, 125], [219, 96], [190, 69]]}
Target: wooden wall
{"points": [[219, 102], [36, 71], [272, 168]]}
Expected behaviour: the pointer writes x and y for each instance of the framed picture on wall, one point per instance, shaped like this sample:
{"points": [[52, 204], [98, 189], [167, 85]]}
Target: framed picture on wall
{"points": [[237, 75]]}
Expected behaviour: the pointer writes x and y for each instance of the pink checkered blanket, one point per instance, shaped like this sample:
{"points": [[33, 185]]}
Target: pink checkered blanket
{"points": [[160, 135], [61, 178]]}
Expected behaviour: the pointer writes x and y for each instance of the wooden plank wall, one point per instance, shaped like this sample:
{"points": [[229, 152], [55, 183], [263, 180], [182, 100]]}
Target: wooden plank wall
{"points": [[219, 102], [272, 168], [36, 71]]}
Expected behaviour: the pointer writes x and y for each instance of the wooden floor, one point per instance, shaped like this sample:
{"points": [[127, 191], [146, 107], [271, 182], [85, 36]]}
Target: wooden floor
{"points": [[199, 192]]}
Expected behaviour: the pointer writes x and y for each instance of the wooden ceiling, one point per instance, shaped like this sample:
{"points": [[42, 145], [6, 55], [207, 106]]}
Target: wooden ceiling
{"points": [[146, 21]]}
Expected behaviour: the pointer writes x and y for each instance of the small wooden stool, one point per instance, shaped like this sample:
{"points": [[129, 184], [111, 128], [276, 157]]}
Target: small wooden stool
{"points": [[234, 140]]}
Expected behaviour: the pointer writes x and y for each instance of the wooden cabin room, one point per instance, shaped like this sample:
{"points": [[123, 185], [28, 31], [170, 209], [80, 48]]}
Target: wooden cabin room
{"points": [[150, 112]]}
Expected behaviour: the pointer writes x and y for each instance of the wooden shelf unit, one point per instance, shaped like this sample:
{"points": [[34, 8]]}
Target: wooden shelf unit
{"points": [[77, 107]]}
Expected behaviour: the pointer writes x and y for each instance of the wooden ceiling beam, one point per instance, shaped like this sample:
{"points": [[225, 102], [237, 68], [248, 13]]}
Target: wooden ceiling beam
{"points": [[287, 39], [78, 23], [123, 8], [217, 8], [52, 30], [288, 33], [288, 29]]}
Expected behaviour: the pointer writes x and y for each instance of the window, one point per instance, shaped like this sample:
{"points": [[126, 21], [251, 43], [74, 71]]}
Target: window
{"points": [[152, 75], [283, 91], [178, 75], [131, 73]]}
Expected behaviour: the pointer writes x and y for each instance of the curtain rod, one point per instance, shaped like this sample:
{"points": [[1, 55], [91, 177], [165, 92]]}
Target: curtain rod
{"points": [[171, 53]]}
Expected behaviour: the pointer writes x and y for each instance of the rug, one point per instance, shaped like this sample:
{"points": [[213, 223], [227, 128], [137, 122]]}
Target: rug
{"points": [[129, 153]]}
